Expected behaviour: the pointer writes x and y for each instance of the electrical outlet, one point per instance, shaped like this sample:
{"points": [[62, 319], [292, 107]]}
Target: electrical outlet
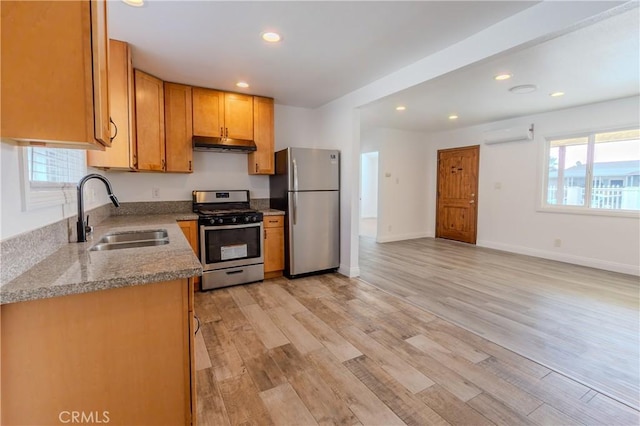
{"points": [[557, 242], [155, 193]]}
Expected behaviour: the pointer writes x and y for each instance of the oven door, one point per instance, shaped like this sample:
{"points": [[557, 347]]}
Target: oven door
{"points": [[231, 245]]}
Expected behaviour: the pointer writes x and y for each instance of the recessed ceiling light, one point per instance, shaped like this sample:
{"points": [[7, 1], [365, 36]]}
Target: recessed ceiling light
{"points": [[401, 108], [453, 117], [242, 84], [134, 3], [271, 37], [525, 88], [556, 94], [503, 76]]}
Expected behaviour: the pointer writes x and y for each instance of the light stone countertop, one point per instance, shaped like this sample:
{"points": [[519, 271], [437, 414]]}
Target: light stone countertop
{"points": [[73, 269], [272, 212]]}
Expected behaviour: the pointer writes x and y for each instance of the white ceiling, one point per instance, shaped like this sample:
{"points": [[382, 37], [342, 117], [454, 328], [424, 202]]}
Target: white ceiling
{"points": [[591, 64], [329, 48]]}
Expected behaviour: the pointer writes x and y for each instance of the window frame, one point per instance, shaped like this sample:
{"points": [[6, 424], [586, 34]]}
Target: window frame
{"points": [[38, 195], [585, 209]]}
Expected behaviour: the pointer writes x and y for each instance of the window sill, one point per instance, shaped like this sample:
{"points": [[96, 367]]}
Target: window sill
{"points": [[590, 212]]}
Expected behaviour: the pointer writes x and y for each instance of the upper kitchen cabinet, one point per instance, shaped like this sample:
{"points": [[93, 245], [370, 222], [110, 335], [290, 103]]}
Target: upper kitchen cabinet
{"points": [[222, 115], [260, 162], [54, 86], [178, 128], [122, 152], [149, 97]]}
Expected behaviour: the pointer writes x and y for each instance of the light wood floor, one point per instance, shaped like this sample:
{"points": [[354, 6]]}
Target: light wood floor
{"points": [[333, 350], [580, 321]]}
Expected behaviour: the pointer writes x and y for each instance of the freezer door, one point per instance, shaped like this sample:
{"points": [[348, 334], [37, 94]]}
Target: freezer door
{"points": [[314, 169], [314, 231]]}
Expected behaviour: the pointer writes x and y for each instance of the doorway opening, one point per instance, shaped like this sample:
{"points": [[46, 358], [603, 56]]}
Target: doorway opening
{"points": [[369, 194]]}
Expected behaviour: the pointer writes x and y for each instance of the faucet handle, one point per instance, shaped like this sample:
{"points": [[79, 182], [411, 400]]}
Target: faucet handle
{"points": [[88, 229]]}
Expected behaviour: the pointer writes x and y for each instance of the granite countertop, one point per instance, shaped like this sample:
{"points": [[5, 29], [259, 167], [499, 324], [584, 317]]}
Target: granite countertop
{"points": [[73, 269], [272, 212]]}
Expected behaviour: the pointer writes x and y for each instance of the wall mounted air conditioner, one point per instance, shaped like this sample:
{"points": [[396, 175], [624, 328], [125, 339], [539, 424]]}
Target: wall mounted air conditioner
{"points": [[511, 134]]}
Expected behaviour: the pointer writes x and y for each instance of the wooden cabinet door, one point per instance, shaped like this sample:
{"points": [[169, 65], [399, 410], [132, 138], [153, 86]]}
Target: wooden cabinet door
{"points": [[178, 128], [47, 73], [190, 230], [149, 121], [273, 246], [127, 351], [261, 161], [208, 112], [100, 49], [122, 152], [238, 116]]}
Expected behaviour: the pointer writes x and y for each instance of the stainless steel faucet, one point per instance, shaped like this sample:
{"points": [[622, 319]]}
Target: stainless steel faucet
{"points": [[82, 224]]}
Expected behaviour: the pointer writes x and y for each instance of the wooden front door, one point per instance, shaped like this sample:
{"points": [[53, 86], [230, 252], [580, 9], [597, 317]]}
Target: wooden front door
{"points": [[457, 200]]}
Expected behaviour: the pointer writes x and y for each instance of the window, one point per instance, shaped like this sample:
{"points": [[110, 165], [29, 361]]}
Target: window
{"points": [[596, 171], [50, 176]]}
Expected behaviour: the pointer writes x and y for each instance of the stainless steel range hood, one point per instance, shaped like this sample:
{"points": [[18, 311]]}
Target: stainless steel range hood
{"points": [[214, 144]]}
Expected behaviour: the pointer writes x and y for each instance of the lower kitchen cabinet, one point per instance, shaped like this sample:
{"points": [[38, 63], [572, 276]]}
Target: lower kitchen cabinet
{"points": [[190, 230], [273, 246], [120, 356]]}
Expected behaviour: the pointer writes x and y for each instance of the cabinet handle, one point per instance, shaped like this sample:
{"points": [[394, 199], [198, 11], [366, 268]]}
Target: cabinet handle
{"points": [[163, 165], [221, 132], [256, 167], [226, 133], [116, 127], [189, 165]]}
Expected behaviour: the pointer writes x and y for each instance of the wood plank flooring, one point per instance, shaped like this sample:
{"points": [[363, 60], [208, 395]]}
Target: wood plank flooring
{"points": [[579, 321], [332, 350]]}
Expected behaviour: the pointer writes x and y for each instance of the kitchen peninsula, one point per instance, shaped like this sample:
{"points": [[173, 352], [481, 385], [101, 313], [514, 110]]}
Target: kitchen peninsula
{"points": [[103, 331]]}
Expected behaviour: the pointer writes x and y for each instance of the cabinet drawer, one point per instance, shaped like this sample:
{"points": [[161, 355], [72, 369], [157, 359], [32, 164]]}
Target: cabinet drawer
{"points": [[273, 221]]}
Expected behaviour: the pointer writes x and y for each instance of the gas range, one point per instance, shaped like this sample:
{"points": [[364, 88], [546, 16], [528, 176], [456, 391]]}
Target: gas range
{"points": [[231, 238], [218, 208]]}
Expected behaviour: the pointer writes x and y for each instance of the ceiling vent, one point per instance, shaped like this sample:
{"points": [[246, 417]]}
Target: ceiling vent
{"points": [[511, 134]]}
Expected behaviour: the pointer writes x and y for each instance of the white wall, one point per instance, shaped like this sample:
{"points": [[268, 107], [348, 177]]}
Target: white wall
{"points": [[212, 170], [403, 180], [509, 219], [338, 122], [14, 219], [369, 185], [294, 127]]}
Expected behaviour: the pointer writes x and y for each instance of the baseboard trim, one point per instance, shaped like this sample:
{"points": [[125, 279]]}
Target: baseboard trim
{"points": [[401, 237], [562, 257], [350, 272]]}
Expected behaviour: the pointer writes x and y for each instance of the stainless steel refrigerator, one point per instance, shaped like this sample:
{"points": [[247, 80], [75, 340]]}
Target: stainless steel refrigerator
{"points": [[306, 185]]}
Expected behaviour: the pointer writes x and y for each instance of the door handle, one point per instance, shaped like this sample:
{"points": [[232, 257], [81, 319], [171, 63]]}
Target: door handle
{"points": [[295, 208], [295, 175], [235, 272], [471, 202]]}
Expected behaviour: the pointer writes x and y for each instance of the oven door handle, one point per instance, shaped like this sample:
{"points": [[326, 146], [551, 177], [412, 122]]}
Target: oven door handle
{"points": [[243, 225]]}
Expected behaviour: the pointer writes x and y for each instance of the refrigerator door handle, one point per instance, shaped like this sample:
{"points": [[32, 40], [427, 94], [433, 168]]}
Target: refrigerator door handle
{"points": [[295, 174], [295, 207]]}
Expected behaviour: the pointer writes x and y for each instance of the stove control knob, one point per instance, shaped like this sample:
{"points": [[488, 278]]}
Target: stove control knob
{"points": [[212, 221], [234, 220], [254, 218], [220, 220], [246, 218]]}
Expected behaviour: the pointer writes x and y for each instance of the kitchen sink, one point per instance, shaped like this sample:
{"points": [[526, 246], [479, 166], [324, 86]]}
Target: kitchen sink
{"points": [[132, 239]]}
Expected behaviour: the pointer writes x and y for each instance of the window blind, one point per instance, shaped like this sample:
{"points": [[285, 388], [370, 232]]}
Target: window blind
{"points": [[55, 167]]}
